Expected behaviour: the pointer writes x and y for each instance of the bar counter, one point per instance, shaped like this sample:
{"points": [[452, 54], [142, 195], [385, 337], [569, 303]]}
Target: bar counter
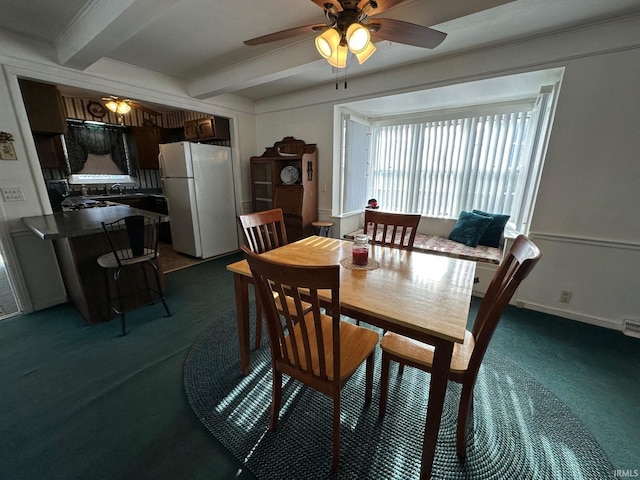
{"points": [[78, 240]]}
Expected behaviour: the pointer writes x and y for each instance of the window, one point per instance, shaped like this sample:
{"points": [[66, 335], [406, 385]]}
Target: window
{"points": [[485, 158]]}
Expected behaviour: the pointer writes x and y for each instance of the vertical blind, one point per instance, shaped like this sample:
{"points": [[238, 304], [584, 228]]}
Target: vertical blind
{"points": [[442, 167]]}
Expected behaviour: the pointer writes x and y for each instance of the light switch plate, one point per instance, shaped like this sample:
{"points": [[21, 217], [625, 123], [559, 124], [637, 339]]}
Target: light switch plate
{"points": [[13, 194]]}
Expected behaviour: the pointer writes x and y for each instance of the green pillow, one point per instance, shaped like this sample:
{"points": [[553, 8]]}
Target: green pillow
{"points": [[469, 228], [494, 232]]}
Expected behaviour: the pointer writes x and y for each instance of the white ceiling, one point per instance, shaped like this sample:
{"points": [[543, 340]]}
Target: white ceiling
{"points": [[200, 41]]}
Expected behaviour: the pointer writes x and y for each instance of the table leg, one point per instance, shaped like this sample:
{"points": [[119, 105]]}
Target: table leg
{"points": [[241, 285], [437, 390]]}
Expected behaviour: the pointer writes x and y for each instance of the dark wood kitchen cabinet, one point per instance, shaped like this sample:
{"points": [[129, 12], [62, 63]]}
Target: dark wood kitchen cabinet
{"points": [[50, 151], [147, 141], [43, 104], [209, 128], [285, 176]]}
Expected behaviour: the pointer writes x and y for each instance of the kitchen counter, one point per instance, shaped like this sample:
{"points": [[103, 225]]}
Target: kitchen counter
{"points": [[80, 222], [79, 239]]}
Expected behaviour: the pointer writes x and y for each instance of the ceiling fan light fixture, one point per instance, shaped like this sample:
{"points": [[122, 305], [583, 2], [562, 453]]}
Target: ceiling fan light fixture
{"points": [[118, 106], [366, 53], [358, 38], [327, 42], [338, 58]]}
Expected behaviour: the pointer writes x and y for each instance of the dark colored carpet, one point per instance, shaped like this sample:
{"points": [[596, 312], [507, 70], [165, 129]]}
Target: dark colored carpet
{"points": [[519, 428]]}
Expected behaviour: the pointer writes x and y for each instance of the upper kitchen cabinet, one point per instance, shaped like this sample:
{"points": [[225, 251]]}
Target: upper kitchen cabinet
{"points": [[44, 107], [284, 176], [205, 129], [147, 141]]}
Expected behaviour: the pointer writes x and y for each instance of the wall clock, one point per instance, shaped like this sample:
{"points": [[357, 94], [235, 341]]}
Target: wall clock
{"points": [[96, 109]]}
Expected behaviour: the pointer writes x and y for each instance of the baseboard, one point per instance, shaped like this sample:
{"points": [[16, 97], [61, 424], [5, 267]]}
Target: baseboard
{"points": [[591, 320], [50, 303]]}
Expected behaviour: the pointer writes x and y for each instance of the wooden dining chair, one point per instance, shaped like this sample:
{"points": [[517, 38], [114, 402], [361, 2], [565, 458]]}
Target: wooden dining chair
{"points": [[398, 229], [466, 359], [315, 348], [263, 231]]}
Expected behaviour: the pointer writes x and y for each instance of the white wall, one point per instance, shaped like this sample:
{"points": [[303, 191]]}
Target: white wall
{"points": [[585, 219]]}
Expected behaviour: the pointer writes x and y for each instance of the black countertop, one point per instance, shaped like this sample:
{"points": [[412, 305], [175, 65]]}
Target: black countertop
{"points": [[81, 222]]}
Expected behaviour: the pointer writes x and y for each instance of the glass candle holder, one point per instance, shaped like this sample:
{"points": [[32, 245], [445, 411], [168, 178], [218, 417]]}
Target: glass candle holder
{"points": [[360, 250]]}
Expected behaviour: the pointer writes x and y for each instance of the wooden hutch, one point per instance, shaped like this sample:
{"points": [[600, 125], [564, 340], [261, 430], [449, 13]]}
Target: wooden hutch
{"points": [[285, 176]]}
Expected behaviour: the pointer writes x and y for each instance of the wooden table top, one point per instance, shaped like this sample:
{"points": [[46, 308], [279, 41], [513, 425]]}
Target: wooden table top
{"points": [[428, 294]]}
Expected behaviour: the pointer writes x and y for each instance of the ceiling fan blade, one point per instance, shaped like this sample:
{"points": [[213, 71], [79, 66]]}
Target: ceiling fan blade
{"points": [[405, 32], [284, 34], [145, 109], [334, 5]]}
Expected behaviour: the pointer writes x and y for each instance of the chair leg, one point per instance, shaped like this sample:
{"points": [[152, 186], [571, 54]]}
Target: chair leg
{"points": [[160, 289], [336, 432], [258, 324], [106, 280], [276, 399], [400, 368], [384, 384], [369, 380], [116, 279], [466, 402]]}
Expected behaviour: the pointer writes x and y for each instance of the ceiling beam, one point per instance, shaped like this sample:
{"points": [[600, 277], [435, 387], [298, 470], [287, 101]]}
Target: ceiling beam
{"points": [[274, 66], [101, 27]]}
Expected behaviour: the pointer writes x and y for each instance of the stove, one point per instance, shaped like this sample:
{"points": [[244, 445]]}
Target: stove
{"points": [[87, 204]]}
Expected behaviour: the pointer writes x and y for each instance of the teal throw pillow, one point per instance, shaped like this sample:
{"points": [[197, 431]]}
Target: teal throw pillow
{"points": [[494, 232], [469, 228]]}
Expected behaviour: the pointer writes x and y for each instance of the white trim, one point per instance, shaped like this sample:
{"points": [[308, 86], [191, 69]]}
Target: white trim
{"points": [[12, 266], [594, 242], [465, 111], [591, 320]]}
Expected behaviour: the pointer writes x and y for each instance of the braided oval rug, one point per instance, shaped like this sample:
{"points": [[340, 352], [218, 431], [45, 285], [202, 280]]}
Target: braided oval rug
{"points": [[518, 430]]}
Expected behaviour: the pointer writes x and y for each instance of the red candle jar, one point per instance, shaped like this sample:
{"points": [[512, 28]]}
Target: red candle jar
{"points": [[360, 250]]}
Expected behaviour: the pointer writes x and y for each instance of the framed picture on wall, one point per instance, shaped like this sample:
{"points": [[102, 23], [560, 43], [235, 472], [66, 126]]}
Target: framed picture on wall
{"points": [[96, 109], [7, 152]]}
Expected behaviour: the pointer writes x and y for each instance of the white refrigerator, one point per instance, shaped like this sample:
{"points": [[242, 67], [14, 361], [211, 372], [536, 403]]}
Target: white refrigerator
{"points": [[197, 180]]}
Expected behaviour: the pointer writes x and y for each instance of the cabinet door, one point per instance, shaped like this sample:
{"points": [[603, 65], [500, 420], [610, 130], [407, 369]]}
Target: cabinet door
{"points": [[43, 104], [50, 151], [205, 128], [147, 140], [261, 185], [191, 130]]}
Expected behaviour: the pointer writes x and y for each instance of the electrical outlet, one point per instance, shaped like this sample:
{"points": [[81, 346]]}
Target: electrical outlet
{"points": [[565, 296], [13, 194]]}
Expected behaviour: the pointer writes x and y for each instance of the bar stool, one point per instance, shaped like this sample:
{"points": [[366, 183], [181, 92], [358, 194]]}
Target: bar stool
{"points": [[322, 228]]}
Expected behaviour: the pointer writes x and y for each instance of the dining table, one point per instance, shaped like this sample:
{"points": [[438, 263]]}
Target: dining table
{"points": [[422, 296]]}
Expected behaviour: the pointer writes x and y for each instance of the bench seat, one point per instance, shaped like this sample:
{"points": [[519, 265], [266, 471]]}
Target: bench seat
{"points": [[443, 246]]}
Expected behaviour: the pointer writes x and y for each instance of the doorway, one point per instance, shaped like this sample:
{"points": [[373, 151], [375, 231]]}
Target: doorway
{"points": [[8, 303]]}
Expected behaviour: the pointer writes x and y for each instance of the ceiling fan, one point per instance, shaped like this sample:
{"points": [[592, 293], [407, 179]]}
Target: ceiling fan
{"points": [[349, 28], [123, 106]]}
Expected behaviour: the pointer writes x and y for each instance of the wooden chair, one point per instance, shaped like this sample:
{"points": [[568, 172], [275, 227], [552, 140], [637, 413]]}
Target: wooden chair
{"points": [[466, 359], [314, 348], [263, 231], [134, 242], [398, 229]]}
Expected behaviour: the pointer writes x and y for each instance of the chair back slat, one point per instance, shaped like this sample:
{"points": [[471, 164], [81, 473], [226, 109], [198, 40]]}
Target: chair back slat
{"points": [[264, 231], [296, 338], [132, 237], [398, 229], [515, 267]]}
